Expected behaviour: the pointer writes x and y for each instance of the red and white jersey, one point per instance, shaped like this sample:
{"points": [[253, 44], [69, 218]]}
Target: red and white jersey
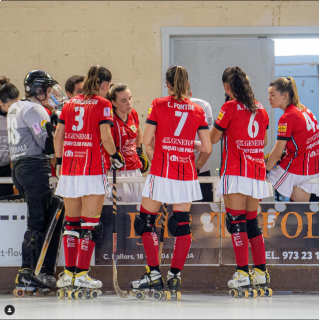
{"points": [[244, 135], [124, 134], [82, 154], [300, 129], [176, 125]]}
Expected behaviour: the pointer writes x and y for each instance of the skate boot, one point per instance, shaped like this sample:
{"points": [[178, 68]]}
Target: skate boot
{"points": [[65, 282], [173, 283], [84, 286], [45, 279], [241, 285], [261, 281], [25, 283], [151, 281]]}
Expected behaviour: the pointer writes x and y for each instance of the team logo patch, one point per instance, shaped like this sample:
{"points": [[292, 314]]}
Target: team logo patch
{"points": [[220, 115], [112, 113], [133, 128], [36, 128], [43, 122], [107, 112], [150, 109], [282, 128]]}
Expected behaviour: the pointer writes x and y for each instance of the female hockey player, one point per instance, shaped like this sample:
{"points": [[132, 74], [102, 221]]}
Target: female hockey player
{"points": [[30, 152], [243, 122], [172, 179], [85, 122], [127, 136], [8, 95], [298, 140]]}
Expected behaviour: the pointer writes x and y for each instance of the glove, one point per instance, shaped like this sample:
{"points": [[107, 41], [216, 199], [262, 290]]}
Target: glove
{"points": [[49, 146], [143, 159], [117, 161], [54, 119], [58, 170]]}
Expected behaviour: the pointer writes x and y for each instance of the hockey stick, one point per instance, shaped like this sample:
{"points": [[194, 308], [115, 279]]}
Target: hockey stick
{"points": [[119, 292], [47, 240], [160, 249]]}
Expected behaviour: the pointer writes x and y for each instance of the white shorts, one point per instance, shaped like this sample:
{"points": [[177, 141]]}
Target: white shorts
{"points": [[79, 186], [127, 192], [284, 182], [171, 191], [250, 187]]}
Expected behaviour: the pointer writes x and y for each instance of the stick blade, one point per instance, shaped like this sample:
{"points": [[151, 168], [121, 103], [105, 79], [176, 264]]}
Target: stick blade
{"points": [[119, 292]]}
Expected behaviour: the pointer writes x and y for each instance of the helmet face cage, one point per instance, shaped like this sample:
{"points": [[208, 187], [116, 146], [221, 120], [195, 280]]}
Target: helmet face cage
{"points": [[36, 83]]}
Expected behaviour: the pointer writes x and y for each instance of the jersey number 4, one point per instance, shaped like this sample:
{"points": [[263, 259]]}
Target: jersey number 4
{"points": [[79, 119], [310, 123], [181, 123]]}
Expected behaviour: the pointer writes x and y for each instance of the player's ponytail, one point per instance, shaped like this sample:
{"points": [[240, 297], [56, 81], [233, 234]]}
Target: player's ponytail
{"points": [[8, 91], [240, 87], [95, 76], [288, 85], [177, 77]]}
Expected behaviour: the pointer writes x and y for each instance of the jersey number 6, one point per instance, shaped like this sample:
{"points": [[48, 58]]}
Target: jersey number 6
{"points": [[78, 118], [181, 123], [253, 123]]}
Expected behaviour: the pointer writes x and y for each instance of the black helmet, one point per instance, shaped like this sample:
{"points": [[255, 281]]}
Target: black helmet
{"points": [[36, 82]]}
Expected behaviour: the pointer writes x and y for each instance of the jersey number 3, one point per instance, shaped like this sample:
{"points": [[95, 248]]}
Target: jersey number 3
{"points": [[79, 119], [181, 123]]}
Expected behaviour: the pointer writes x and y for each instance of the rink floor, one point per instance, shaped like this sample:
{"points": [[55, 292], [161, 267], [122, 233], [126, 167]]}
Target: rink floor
{"points": [[192, 306]]}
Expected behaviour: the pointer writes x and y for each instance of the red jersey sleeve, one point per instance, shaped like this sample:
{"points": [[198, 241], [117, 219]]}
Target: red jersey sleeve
{"points": [[203, 124], [284, 127], [62, 115], [223, 118], [151, 117], [106, 113]]}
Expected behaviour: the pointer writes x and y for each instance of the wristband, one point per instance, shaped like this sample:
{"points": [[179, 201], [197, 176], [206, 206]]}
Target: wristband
{"points": [[59, 161]]}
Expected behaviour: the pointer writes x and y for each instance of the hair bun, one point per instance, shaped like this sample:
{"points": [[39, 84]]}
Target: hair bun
{"points": [[4, 80]]}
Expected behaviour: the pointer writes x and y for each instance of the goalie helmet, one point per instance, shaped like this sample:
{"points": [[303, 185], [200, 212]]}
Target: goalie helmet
{"points": [[36, 82]]}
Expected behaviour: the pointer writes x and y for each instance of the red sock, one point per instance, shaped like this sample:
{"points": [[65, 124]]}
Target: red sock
{"points": [[257, 244], [150, 243], [182, 245], [240, 241], [71, 243], [86, 245]]}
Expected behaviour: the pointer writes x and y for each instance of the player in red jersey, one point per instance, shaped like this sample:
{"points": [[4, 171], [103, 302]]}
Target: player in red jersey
{"points": [[127, 137], [298, 139], [243, 122], [85, 122], [173, 178]]}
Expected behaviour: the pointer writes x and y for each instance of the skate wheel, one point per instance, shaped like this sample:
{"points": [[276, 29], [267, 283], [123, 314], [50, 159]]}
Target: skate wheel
{"points": [[253, 293], [157, 295], [233, 293], [140, 295], [87, 295], [78, 295], [60, 294], [39, 293], [167, 295], [268, 292], [245, 294], [30, 293], [178, 296], [71, 295], [93, 294], [14, 292], [19, 293], [260, 292]]}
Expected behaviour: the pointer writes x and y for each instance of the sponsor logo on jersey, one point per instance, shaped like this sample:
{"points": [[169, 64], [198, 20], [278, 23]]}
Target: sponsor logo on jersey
{"points": [[173, 158], [107, 112], [68, 153], [79, 101], [112, 113], [43, 122], [133, 128], [282, 129], [124, 133], [13, 111], [150, 110], [220, 115], [36, 128]]}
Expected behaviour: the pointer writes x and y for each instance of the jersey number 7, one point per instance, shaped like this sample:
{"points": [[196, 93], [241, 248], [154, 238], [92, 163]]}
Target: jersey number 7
{"points": [[181, 123]]}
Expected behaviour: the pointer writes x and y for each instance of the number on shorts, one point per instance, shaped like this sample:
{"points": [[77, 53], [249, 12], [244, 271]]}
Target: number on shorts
{"points": [[79, 118], [181, 123]]}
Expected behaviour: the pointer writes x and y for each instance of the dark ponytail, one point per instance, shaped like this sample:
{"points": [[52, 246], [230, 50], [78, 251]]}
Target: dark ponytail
{"points": [[240, 87], [288, 85], [95, 76], [8, 91], [177, 77]]}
